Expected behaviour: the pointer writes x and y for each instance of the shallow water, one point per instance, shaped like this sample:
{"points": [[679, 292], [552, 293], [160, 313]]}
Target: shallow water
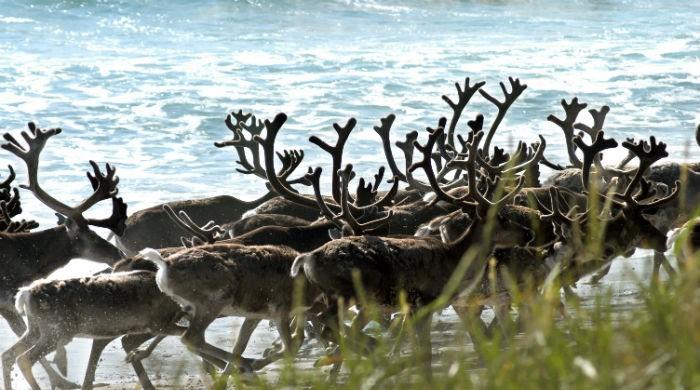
{"points": [[146, 85]]}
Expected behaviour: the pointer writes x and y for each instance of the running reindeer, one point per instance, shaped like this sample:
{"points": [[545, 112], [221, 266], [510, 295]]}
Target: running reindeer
{"points": [[28, 256]]}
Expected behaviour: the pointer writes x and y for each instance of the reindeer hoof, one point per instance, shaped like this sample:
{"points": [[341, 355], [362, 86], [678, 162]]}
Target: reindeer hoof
{"points": [[328, 360], [59, 382], [243, 366], [136, 355], [275, 349]]}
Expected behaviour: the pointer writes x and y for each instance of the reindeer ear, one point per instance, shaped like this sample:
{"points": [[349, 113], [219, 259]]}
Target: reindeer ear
{"points": [[444, 236], [61, 219]]}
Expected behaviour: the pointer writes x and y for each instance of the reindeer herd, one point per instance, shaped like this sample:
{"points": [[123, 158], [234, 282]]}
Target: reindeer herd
{"points": [[301, 258]]}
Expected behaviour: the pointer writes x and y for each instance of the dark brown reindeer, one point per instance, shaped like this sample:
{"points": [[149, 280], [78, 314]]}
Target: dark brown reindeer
{"points": [[628, 227], [420, 266], [10, 207], [151, 227], [27, 256]]}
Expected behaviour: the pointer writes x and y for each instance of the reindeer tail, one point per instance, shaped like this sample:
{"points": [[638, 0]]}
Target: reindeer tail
{"points": [[153, 256], [298, 263], [22, 299]]}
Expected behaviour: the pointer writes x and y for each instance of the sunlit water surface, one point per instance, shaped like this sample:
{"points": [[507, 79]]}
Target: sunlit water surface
{"points": [[146, 86]]}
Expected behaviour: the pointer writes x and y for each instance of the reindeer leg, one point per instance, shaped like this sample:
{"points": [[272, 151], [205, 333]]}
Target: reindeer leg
{"points": [[425, 349], [18, 327], [472, 321], [41, 348], [60, 359], [9, 356], [659, 261], [194, 340], [244, 334], [398, 339], [291, 343], [502, 319], [600, 274], [130, 342], [98, 345]]}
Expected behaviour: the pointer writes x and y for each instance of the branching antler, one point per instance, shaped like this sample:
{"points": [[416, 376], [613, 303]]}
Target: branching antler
{"points": [[567, 125], [268, 145], [291, 159], [366, 193], [6, 184], [236, 122], [463, 98], [426, 164], [383, 131], [509, 97], [336, 151], [648, 154], [590, 152], [105, 184], [207, 234], [344, 220]]}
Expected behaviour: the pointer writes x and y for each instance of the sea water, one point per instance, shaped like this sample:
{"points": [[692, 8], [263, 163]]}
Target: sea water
{"points": [[146, 85]]}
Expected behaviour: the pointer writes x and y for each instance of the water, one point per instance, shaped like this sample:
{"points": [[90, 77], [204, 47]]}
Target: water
{"points": [[146, 85]]}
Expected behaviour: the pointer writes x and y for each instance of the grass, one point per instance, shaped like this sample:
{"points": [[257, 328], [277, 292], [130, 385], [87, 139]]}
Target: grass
{"points": [[655, 344]]}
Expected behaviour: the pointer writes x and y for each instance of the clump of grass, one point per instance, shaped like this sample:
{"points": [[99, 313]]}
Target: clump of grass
{"points": [[655, 344]]}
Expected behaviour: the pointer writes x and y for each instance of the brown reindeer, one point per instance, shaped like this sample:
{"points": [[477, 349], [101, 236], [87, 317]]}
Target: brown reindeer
{"points": [[420, 266], [27, 256], [627, 226]]}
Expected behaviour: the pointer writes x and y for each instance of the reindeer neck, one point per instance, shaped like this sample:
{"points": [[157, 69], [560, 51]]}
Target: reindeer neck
{"points": [[472, 236], [44, 251], [257, 202]]}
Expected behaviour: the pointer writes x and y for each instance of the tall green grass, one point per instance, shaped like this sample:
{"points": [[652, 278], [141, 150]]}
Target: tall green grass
{"points": [[652, 344], [655, 344]]}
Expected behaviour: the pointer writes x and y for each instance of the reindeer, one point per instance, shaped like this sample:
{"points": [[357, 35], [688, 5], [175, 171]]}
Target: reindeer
{"points": [[27, 256], [58, 312], [628, 227], [420, 266], [10, 207]]}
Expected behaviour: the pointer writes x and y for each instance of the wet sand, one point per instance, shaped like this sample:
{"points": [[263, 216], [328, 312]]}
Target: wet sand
{"points": [[171, 360]]}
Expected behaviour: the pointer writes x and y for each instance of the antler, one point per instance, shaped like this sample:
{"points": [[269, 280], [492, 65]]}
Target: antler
{"points": [[207, 234], [116, 221], [366, 193], [383, 131], [241, 143], [336, 151], [463, 98], [509, 97], [511, 167], [291, 159], [470, 164], [407, 148], [344, 219], [567, 125], [36, 140], [7, 225], [281, 188], [6, 183], [647, 158], [426, 164], [590, 152], [358, 228]]}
